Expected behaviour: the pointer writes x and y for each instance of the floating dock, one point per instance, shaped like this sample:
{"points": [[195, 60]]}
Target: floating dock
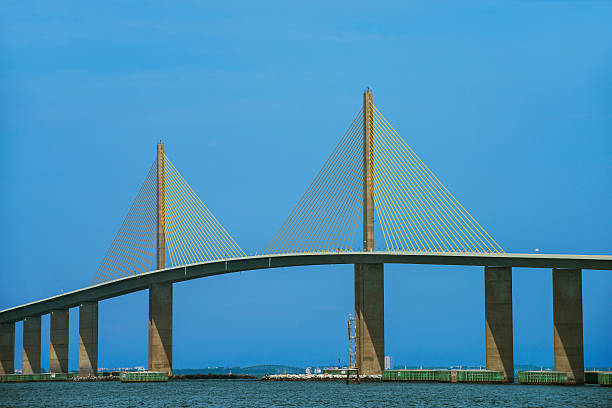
{"points": [[340, 371], [459, 376], [549, 377], [545, 377], [35, 377], [416, 375], [591, 377], [604, 378], [143, 376], [478, 376], [318, 377]]}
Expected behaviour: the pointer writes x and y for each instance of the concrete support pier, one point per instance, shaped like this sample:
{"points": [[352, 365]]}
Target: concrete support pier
{"points": [[7, 348], [370, 318], [498, 320], [31, 345], [160, 327], [567, 317], [58, 352], [88, 339]]}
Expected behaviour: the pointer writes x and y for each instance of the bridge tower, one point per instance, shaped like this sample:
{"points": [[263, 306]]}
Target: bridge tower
{"points": [[369, 277], [160, 294]]}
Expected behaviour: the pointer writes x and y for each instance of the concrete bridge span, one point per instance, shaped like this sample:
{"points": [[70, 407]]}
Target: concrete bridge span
{"points": [[182, 273], [567, 304]]}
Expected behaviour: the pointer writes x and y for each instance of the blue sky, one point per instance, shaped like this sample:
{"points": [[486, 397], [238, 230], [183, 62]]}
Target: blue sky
{"points": [[508, 103]]}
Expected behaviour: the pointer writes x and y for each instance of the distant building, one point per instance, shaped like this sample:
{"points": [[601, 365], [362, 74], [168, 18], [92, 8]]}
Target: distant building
{"points": [[388, 362]]}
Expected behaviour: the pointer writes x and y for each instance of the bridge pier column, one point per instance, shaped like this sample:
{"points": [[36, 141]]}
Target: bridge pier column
{"points": [[7, 348], [160, 327], [567, 316], [31, 345], [370, 318], [88, 339], [498, 320], [58, 355]]}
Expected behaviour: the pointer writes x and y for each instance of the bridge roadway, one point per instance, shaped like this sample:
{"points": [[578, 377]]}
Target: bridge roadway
{"points": [[143, 281]]}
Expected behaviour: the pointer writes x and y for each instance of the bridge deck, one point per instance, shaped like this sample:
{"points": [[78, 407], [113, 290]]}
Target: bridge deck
{"points": [[142, 281]]}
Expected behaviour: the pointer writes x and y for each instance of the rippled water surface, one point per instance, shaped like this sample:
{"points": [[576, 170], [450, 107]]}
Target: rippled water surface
{"points": [[236, 393]]}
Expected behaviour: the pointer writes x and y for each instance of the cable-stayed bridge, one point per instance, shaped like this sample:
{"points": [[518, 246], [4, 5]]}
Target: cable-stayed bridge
{"points": [[372, 181]]}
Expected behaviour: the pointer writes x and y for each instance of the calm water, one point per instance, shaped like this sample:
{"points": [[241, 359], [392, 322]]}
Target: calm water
{"points": [[224, 393]]}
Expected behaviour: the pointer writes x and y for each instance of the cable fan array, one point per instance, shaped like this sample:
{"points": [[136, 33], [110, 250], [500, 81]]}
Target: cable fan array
{"points": [[192, 231], [193, 234], [327, 215], [416, 212], [132, 249]]}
